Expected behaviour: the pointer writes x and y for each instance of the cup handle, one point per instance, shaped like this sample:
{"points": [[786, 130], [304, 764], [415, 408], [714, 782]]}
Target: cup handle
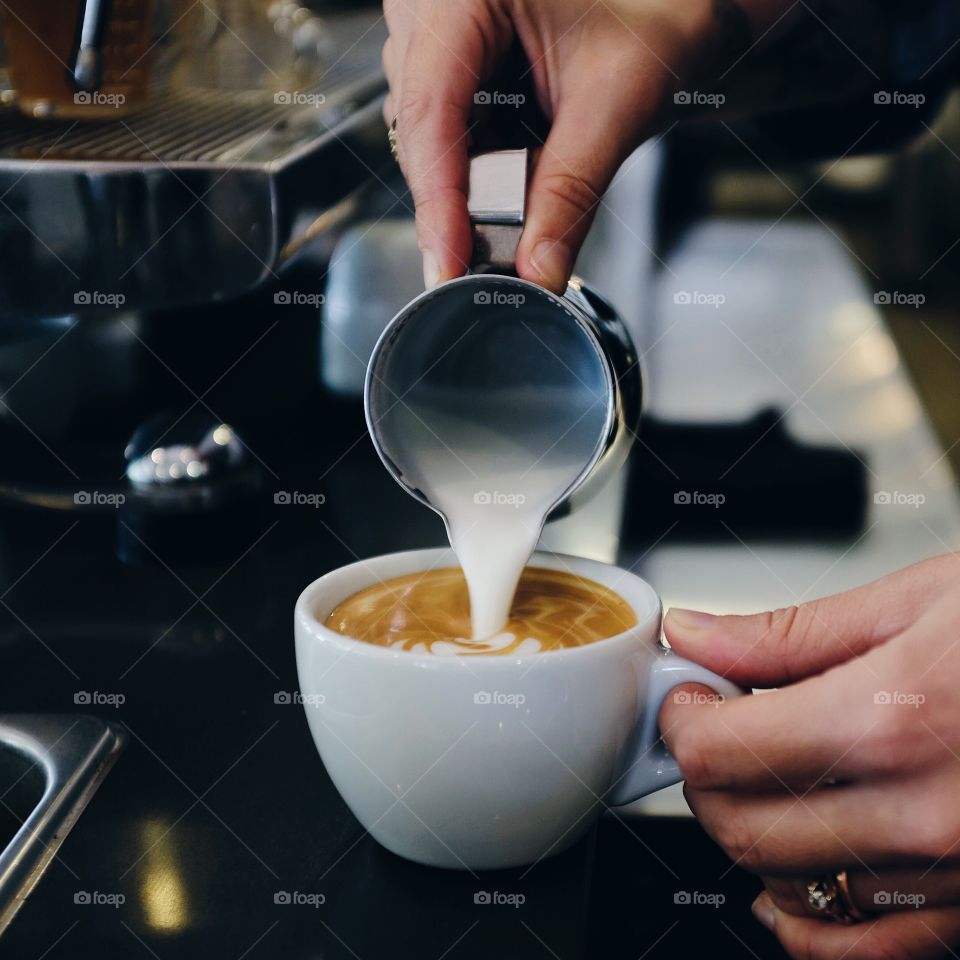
{"points": [[649, 765]]}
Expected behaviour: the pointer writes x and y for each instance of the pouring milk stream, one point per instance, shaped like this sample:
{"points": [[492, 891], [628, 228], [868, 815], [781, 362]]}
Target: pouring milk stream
{"points": [[495, 487]]}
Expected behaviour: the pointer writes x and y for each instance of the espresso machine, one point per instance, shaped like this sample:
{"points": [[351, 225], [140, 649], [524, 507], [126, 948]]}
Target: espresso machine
{"points": [[159, 161]]}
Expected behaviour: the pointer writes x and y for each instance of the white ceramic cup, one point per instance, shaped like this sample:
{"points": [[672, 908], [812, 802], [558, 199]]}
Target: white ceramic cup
{"points": [[486, 762]]}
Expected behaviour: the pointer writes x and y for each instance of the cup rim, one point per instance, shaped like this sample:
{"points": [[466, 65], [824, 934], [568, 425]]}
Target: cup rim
{"points": [[637, 592]]}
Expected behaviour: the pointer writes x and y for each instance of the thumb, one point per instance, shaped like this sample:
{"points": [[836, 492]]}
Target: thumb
{"points": [[589, 139], [782, 646]]}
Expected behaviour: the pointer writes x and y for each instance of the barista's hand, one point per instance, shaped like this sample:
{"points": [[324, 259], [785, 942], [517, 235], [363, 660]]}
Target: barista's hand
{"points": [[603, 73], [869, 697]]}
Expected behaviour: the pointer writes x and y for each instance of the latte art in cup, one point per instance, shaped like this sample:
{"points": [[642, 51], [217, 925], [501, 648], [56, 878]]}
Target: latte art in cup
{"points": [[429, 612]]}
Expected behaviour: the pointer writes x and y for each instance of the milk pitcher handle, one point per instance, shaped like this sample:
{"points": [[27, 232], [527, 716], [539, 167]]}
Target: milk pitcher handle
{"points": [[497, 201]]}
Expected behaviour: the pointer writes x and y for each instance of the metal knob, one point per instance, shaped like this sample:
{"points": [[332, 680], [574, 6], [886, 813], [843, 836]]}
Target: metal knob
{"points": [[166, 451], [193, 491]]}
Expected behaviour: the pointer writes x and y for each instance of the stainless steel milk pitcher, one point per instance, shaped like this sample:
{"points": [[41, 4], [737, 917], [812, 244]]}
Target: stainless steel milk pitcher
{"points": [[555, 377]]}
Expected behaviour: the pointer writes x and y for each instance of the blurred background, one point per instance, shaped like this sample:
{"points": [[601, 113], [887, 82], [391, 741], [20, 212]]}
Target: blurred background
{"points": [[898, 213]]}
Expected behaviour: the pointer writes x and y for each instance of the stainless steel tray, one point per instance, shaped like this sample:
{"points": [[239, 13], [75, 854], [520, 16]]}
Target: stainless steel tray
{"points": [[75, 753]]}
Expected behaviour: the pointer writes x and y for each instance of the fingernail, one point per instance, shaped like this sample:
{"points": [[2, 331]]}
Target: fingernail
{"points": [[764, 910], [690, 620], [551, 260], [431, 270]]}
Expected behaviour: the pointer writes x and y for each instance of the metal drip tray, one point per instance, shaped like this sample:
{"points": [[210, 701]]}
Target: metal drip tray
{"points": [[62, 760], [199, 196]]}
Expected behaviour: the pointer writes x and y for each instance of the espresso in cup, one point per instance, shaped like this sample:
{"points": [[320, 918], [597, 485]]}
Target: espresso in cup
{"points": [[429, 612]]}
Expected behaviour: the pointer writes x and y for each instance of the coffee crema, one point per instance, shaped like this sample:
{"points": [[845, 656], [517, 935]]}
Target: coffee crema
{"points": [[429, 612]]}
